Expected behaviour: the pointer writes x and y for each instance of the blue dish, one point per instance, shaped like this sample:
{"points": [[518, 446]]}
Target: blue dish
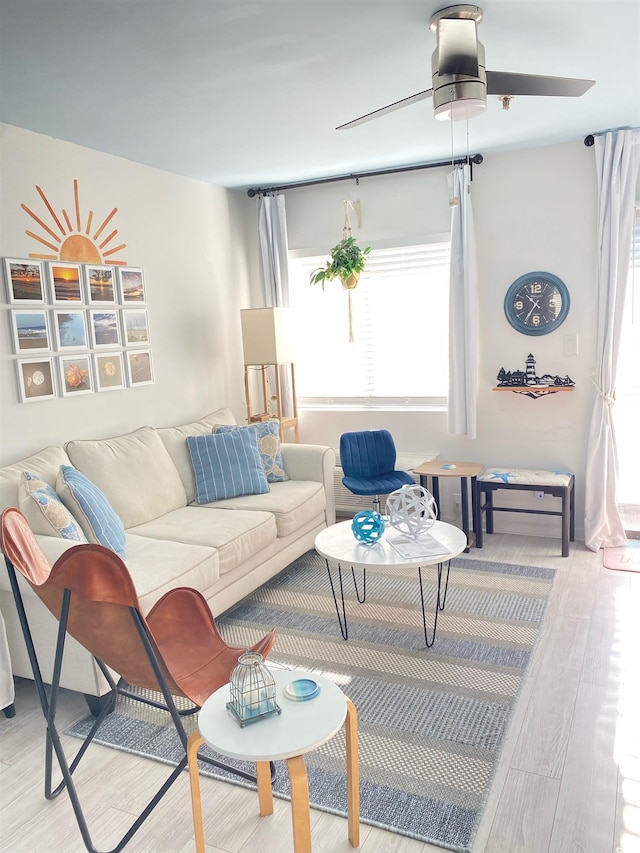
{"points": [[302, 689]]}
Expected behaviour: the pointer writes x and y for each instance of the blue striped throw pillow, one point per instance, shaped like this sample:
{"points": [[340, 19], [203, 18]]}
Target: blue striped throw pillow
{"points": [[226, 465], [88, 504]]}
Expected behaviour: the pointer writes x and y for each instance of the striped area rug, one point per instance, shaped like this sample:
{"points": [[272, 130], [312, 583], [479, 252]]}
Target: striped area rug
{"points": [[432, 721]]}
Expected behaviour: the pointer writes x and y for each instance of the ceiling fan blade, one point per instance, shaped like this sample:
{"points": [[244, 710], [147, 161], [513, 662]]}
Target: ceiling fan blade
{"points": [[503, 83], [396, 105], [457, 46]]}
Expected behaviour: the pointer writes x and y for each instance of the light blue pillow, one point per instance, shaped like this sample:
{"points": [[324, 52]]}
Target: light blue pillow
{"points": [[88, 504], [226, 465], [44, 510], [268, 433]]}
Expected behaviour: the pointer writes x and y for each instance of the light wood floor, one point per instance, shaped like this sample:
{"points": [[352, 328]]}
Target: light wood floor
{"points": [[568, 778]]}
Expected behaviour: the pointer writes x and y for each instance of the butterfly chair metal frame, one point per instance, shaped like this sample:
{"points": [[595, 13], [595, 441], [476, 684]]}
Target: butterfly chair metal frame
{"points": [[89, 582]]}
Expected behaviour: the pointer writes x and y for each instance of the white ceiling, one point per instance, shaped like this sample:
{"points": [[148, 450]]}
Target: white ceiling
{"points": [[249, 93]]}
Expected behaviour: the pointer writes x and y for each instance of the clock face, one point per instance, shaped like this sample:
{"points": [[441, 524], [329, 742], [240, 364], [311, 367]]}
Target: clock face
{"points": [[536, 303]]}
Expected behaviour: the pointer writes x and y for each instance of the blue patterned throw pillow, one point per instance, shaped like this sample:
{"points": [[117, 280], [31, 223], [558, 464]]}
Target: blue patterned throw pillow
{"points": [[268, 433], [226, 465], [45, 512], [89, 505]]}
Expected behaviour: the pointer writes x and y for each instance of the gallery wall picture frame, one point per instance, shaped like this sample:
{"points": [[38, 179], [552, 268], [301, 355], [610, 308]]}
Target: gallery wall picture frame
{"points": [[109, 371], [67, 283], [101, 284], [31, 331], [140, 367], [25, 281], [71, 330], [35, 379], [135, 327], [132, 286], [75, 375], [105, 329]]}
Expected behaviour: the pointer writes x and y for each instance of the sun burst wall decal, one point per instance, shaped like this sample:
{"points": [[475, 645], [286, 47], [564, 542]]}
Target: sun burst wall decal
{"points": [[71, 239]]}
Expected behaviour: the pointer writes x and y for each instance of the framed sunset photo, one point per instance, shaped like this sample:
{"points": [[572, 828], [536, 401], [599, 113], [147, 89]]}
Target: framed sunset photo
{"points": [[25, 281], [101, 284], [66, 282], [132, 287]]}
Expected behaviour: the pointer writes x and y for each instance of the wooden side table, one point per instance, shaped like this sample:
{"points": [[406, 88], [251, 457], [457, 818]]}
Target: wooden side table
{"points": [[300, 728], [464, 470]]}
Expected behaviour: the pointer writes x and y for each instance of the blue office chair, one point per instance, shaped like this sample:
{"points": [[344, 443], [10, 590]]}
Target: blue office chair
{"points": [[368, 459]]}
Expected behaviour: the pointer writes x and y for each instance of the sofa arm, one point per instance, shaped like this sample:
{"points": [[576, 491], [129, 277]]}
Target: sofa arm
{"points": [[316, 463]]}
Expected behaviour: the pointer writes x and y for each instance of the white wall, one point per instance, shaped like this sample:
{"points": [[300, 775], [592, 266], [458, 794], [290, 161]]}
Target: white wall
{"points": [[534, 210], [188, 237]]}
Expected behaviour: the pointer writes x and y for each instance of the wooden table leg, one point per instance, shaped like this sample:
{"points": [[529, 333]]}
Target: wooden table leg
{"points": [[265, 792], [353, 774], [194, 743], [300, 815]]}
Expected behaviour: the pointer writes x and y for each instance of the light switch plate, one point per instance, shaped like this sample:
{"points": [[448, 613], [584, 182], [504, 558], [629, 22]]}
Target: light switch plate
{"points": [[571, 344]]}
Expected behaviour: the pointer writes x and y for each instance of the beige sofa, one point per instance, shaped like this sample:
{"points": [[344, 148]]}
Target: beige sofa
{"points": [[224, 549]]}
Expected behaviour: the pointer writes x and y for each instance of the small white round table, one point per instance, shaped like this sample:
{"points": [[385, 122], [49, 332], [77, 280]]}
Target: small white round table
{"points": [[300, 728], [338, 545]]}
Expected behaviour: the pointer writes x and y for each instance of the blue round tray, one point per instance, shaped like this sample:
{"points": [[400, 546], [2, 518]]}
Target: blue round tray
{"points": [[302, 689]]}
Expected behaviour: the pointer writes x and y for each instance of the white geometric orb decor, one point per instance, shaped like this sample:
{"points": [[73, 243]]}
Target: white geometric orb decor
{"points": [[411, 510]]}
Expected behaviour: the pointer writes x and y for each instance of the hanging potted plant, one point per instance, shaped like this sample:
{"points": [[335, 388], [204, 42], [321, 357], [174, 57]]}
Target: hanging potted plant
{"points": [[347, 262]]}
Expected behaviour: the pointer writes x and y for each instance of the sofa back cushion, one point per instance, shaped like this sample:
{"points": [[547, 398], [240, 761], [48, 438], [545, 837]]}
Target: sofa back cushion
{"points": [[45, 512], [96, 516], [134, 471], [226, 464], [44, 464], [175, 441]]}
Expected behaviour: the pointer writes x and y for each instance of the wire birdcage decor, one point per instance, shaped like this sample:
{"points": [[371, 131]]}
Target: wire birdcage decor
{"points": [[252, 690]]}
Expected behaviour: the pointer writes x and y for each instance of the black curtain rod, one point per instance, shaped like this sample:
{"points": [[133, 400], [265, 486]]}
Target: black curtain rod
{"points": [[475, 160]]}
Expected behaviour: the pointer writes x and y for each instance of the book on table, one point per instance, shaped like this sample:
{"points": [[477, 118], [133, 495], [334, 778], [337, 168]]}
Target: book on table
{"points": [[414, 547]]}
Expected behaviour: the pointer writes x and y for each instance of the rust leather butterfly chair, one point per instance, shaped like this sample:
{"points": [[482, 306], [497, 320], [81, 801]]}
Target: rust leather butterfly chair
{"points": [[175, 650]]}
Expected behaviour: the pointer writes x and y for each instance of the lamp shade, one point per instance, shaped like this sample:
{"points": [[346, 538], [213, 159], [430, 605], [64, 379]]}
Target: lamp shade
{"points": [[265, 336]]}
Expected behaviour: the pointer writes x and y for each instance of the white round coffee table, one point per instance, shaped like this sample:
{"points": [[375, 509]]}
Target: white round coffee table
{"points": [[300, 728], [338, 545]]}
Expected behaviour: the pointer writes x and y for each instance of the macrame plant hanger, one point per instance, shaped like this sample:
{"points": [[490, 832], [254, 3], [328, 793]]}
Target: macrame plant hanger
{"points": [[347, 232]]}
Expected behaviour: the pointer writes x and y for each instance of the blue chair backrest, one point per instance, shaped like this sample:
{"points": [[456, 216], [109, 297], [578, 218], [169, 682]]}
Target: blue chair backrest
{"points": [[367, 453]]}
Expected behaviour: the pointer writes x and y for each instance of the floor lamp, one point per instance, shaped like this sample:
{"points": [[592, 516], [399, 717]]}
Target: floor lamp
{"points": [[268, 362]]}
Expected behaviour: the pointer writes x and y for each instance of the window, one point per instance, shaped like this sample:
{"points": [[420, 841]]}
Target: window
{"points": [[400, 309]]}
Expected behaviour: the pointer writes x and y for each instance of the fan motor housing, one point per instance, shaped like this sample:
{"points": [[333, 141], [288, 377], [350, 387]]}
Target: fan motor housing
{"points": [[458, 96]]}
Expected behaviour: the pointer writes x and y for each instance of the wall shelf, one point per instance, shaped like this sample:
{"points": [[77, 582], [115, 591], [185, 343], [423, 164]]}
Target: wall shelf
{"points": [[535, 391]]}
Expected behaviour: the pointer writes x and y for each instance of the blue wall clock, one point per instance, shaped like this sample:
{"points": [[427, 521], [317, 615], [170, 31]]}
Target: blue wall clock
{"points": [[537, 303]]}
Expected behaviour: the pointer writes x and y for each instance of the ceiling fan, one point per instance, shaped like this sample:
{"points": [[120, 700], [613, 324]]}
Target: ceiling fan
{"points": [[461, 82]]}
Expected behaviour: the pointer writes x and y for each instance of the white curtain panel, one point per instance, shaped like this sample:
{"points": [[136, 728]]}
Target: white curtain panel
{"points": [[273, 248], [273, 260], [617, 159], [463, 311]]}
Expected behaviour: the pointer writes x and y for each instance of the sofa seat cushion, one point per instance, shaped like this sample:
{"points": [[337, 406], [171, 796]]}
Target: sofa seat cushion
{"points": [[237, 536], [44, 464], [293, 504], [175, 441], [157, 565], [134, 471]]}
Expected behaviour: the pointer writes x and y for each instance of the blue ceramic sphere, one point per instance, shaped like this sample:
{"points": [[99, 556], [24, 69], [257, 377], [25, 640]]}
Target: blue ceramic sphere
{"points": [[367, 526]]}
